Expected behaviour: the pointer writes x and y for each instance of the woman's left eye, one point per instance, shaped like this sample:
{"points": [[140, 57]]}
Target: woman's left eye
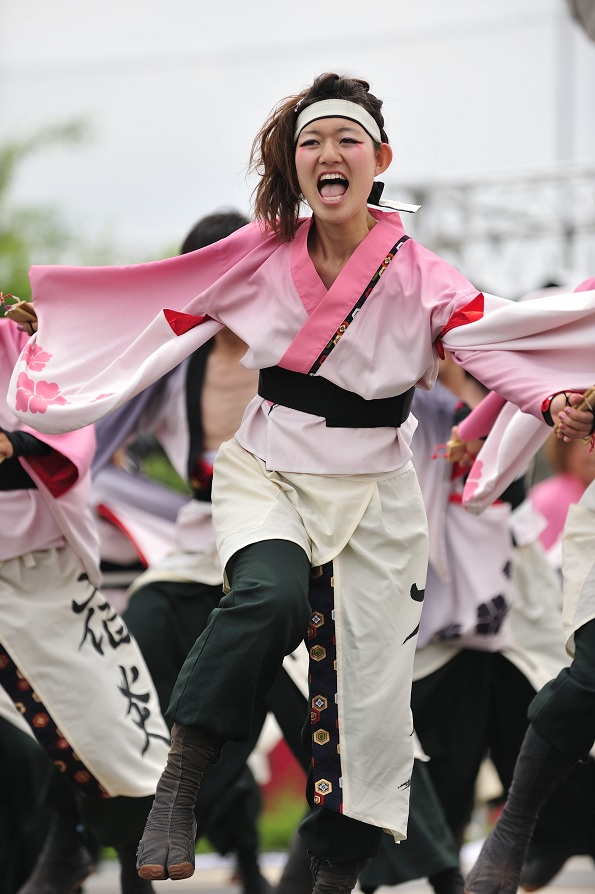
{"points": [[349, 140]]}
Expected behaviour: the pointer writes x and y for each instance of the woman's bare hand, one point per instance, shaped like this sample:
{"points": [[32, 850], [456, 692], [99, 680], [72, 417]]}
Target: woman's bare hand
{"points": [[570, 423], [6, 450]]}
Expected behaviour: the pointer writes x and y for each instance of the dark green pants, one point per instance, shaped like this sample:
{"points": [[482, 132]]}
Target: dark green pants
{"points": [[563, 712], [236, 660], [475, 705], [166, 618]]}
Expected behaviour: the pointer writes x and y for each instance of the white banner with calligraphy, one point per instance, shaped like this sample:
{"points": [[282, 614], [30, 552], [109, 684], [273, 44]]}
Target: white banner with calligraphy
{"points": [[77, 677]]}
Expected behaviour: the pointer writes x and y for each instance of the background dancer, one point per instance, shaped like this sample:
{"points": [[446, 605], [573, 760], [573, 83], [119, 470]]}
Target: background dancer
{"points": [[561, 728], [490, 635], [67, 659], [190, 412]]}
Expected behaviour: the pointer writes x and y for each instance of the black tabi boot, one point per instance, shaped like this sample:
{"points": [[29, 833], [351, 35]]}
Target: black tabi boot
{"points": [[539, 770], [65, 860], [336, 878], [539, 872], [166, 849]]}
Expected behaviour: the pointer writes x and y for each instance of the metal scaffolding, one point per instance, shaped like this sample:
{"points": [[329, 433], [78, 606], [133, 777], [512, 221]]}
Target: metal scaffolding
{"points": [[510, 233]]}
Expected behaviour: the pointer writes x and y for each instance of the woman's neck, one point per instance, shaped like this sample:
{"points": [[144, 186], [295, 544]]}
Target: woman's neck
{"points": [[330, 246]]}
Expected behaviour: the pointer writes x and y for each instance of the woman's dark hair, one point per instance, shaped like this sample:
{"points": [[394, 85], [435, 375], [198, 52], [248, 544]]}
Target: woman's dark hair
{"points": [[277, 196], [212, 228]]}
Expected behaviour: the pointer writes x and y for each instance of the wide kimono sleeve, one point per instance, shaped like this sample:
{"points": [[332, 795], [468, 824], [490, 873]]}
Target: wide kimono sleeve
{"points": [[526, 352], [70, 454], [105, 333], [529, 350]]}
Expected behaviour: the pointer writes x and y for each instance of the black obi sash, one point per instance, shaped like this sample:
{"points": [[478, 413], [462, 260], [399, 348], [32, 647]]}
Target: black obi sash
{"points": [[340, 408]]}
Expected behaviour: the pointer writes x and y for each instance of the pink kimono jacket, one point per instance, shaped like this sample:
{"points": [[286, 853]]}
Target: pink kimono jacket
{"points": [[106, 333]]}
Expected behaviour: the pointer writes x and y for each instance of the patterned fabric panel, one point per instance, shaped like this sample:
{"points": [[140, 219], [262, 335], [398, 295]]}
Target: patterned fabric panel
{"points": [[34, 712], [324, 718]]}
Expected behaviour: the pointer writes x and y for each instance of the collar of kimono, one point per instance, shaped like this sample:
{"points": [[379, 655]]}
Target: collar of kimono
{"points": [[337, 108], [327, 309]]}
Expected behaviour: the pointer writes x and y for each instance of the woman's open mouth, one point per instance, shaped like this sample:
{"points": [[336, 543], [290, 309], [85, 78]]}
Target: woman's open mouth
{"points": [[332, 187]]}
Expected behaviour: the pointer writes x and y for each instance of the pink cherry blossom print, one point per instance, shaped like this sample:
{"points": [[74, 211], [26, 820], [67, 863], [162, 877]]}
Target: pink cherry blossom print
{"points": [[36, 397], [35, 357]]}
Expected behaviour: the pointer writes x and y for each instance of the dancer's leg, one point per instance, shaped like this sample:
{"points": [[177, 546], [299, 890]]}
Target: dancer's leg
{"points": [[228, 671], [561, 732]]}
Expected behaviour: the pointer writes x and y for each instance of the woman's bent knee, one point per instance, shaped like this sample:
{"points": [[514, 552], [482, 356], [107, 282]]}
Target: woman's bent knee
{"points": [[272, 576]]}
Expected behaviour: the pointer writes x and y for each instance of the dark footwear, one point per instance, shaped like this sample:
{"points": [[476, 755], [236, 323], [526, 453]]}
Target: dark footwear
{"points": [[248, 874], [296, 877], [166, 849], [335, 878], [538, 771], [539, 872], [448, 881], [64, 863]]}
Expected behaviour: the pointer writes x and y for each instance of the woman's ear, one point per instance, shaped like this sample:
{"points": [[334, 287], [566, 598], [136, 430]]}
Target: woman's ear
{"points": [[384, 156]]}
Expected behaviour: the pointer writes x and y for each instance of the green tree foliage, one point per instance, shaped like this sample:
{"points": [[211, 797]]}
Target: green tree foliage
{"points": [[26, 232]]}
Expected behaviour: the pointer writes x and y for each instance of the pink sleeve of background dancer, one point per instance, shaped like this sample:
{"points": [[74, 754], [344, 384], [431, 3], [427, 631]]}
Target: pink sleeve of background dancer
{"points": [[479, 422]]}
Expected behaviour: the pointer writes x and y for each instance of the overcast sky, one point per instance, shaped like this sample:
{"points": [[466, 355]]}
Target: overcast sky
{"points": [[174, 92]]}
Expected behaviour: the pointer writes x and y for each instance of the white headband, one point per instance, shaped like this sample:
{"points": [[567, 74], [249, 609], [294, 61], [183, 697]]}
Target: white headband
{"points": [[337, 108]]}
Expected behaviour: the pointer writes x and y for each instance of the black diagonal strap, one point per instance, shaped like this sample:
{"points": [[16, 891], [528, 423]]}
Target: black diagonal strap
{"points": [[340, 408], [340, 331]]}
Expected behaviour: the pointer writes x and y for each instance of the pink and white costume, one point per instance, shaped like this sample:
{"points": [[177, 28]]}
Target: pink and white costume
{"points": [[482, 593], [66, 657], [514, 438], [358, 504]]}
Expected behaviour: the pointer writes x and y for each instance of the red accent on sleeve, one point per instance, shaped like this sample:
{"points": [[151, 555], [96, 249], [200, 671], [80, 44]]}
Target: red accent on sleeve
{"points": [[55, 470], [467, 314], [181, 323], [105, 512]]}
